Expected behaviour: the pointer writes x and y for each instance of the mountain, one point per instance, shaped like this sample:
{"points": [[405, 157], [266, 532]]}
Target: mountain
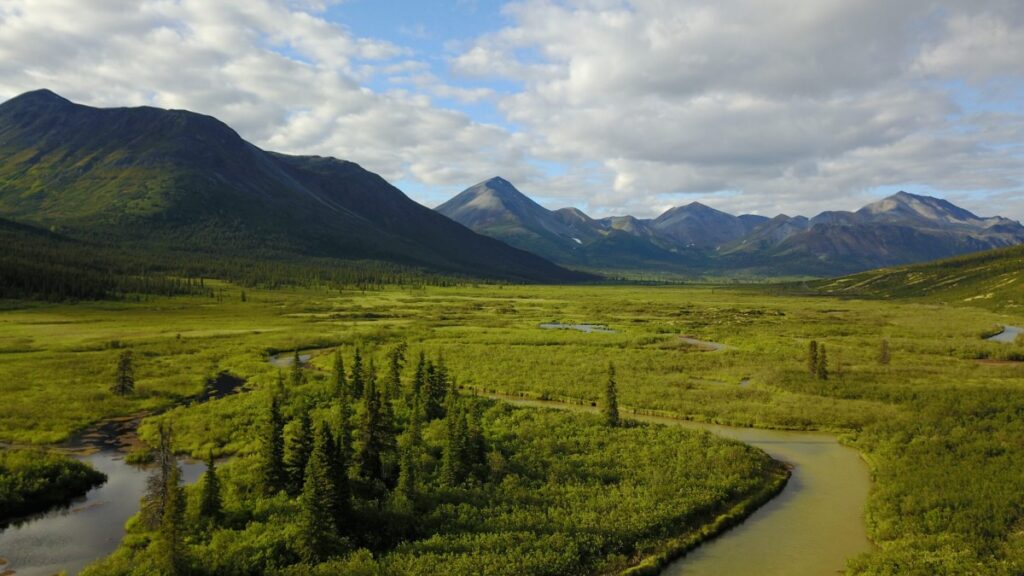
{"points": [[696, 240], [993, 278], [176, 180], [568, 236]]}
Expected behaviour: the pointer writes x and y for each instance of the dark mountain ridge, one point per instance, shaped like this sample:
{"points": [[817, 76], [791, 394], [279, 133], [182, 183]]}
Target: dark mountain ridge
{"points": [[696, 239], [172, 179]]}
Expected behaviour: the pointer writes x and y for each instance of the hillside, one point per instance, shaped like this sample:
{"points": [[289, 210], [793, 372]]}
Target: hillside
{"points": [[172, 180], [991, 278]]}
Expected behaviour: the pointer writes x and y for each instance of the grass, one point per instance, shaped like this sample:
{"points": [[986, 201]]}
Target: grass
{"points": [[944, 431]]}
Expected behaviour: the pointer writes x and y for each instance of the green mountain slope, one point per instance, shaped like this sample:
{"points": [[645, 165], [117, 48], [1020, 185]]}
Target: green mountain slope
{"points": [[993, 277], [176, 180]]}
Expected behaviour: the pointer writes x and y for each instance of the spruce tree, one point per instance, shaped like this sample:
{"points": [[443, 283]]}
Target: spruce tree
{"points": [[419, 380], [124, 381], [317, 527], [370, 433], [812, 358], [436, 390], [396, 361], [883, 354], [273, 475], [822, 369], [300, 446], [295, 378], [476, 446], [339, 383], [159, 479], [210, 504], [357, 380], [412, 445], [610, 407], [454, 460], [337, 472], [171, 536]]}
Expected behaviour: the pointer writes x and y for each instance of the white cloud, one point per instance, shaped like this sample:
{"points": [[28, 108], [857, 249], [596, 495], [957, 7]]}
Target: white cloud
{"points": [[773, 105], [278, 72]]}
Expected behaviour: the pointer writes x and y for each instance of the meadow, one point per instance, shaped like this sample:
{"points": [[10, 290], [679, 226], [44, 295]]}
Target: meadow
{"points": [[940, 424]]}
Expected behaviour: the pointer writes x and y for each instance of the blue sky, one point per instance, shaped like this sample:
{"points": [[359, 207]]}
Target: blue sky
{"points": [[613, 106]]}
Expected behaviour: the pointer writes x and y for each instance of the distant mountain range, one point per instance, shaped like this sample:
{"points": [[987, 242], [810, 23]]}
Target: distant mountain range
{"points": [[175, 180], [697, 239]]}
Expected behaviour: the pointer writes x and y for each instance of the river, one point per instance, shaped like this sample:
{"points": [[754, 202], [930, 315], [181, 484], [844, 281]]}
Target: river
{"points": [[1008, 335], [810, 529]]}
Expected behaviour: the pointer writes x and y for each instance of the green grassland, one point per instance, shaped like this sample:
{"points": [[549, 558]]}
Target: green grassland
{"points": [[942, 425]]}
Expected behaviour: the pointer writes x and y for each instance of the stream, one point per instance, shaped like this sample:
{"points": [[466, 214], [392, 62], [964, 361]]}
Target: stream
{"points": [[1007, 336], [91, 526]]}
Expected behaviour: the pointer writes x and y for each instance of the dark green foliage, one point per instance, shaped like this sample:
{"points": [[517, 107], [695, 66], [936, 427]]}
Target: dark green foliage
{"points": [[124, 380], [357, 382], [171, 552], [396, 361], [610, 407], [210, 503], [300, 445], [295, 374], [319, 504], [165, 474], [339, 383], [419, 381], [436, 389], [33, 480], [373, 433], [337, 472], [273, 475]]}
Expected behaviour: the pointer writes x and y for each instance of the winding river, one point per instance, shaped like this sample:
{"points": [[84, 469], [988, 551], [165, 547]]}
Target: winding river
{"points": [[810, 529]]}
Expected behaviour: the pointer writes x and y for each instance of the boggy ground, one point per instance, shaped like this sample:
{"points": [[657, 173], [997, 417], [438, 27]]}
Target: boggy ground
{"points": [[944, 434]]}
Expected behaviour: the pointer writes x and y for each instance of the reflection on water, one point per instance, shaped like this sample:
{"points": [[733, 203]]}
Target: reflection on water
{"points": [[1007, 336], [89, 529], [588, 328]]}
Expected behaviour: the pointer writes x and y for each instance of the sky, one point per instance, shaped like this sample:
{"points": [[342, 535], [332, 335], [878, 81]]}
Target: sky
{"points": [[612, 106]]}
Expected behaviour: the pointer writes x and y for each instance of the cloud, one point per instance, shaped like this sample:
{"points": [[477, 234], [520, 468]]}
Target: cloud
{"points": [[773, 105], [278, 72]]}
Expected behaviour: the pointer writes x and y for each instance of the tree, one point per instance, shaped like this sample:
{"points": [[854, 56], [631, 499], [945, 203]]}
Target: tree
{"points": [[822, 369], [124, 382], [436, 390], [171, 536], [371, 433], [339, 383], [296, 371], [396, 361], [812, 358], [454, 467], [412, 446], [476, 446], [884, 355], [300, 446], [419, 380], [357, 381], [317, 535], [610, 407], [159, 479], [273, 474], [337, 473], [210, 504]]}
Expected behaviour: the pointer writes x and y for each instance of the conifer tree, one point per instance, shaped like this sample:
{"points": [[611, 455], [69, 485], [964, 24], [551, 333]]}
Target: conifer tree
{"points": [[357, 380], [273, 474], [476, 450], [337, 472], [124, 381], [454, 460], [436, 390], [412, 445], [299, 448], [370, 433], [296, 371], [317, 527], [419, 380], [279, 388], [884, 355], [822, 369], [339, 383], [396, 361], [610, 407], [210, 503], [171, 535], [812, 358], [159, 479]]}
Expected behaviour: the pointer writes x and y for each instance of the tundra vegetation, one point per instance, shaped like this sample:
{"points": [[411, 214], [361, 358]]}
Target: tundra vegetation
{"points": [[934, 409]]}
